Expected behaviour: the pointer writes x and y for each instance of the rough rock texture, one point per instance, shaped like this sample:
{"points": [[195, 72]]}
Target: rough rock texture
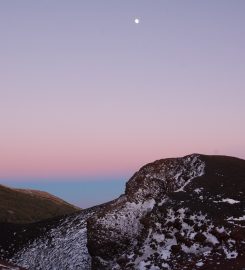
{"points": [[175, 212], [7, 266], [181, 213], [62, 247], [52, 244]]}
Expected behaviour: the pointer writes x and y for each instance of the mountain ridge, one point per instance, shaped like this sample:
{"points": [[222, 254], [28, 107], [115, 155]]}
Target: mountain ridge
{"points": [[178, 213], [27, 205]]}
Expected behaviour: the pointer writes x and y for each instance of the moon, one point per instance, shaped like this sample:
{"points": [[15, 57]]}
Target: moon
{"points": [[136, 20]]}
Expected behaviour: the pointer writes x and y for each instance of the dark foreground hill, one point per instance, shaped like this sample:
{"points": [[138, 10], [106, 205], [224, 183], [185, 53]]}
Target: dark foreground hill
{"points": [[27, 206], [182, 213]]}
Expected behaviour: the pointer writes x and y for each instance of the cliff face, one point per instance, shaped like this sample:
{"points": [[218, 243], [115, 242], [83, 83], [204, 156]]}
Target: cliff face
{"points": [[180, 213], [175, 212]]}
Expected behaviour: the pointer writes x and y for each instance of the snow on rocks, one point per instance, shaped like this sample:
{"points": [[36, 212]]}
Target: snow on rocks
{"points": [[126, 220], [182, 224], [6, 266], [237, 219], [230, 254], [199, 264], [63, 247], [227, 200], [230, 201], [175, 174], [175, 212]]}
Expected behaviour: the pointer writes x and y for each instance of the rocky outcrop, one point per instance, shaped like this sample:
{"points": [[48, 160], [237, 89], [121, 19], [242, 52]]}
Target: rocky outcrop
{"points": [[180, 213], [185, 211]]}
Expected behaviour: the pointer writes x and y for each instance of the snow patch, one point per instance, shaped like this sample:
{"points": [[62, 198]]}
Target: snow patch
{"points": [[199, 264], [227, 200], [63, 247], [237, 219], [230, 254]]}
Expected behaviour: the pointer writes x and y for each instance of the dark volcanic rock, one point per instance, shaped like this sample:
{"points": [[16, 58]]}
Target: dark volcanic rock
{"points": [[58, 243], [7, 266], [187, 211], [181, 213]]}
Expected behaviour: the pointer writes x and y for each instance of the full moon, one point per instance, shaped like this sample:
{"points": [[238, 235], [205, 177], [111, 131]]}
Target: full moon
{"points": [[137, 21]]}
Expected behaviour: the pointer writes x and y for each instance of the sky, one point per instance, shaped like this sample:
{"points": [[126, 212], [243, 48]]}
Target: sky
{"points": [[88, 96]]}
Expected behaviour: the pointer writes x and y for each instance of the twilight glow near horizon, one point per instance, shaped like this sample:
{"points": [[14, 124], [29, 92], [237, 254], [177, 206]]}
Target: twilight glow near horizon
{"points": [[85, 91]]}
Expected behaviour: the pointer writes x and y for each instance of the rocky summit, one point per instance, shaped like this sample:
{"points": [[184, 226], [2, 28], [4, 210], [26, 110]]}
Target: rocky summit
{"points": [[178, 213]]}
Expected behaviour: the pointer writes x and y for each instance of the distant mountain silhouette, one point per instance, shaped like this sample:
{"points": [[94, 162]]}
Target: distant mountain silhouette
{"points": [[28, 206], [178, 213]]}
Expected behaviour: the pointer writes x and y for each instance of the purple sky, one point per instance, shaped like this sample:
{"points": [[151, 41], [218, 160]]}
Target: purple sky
{"points": [[86, 92]]}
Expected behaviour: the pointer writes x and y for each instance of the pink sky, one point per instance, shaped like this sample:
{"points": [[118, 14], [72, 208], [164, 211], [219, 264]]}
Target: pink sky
{"points": [[86, 92]]}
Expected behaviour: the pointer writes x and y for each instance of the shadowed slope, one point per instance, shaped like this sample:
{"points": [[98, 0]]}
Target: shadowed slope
{"points": [[26, 206]]}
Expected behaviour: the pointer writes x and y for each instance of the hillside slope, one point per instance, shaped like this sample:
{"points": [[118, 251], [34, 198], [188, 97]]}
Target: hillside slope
{"points": [[27, 206], [58, 243], [180, 213]]}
